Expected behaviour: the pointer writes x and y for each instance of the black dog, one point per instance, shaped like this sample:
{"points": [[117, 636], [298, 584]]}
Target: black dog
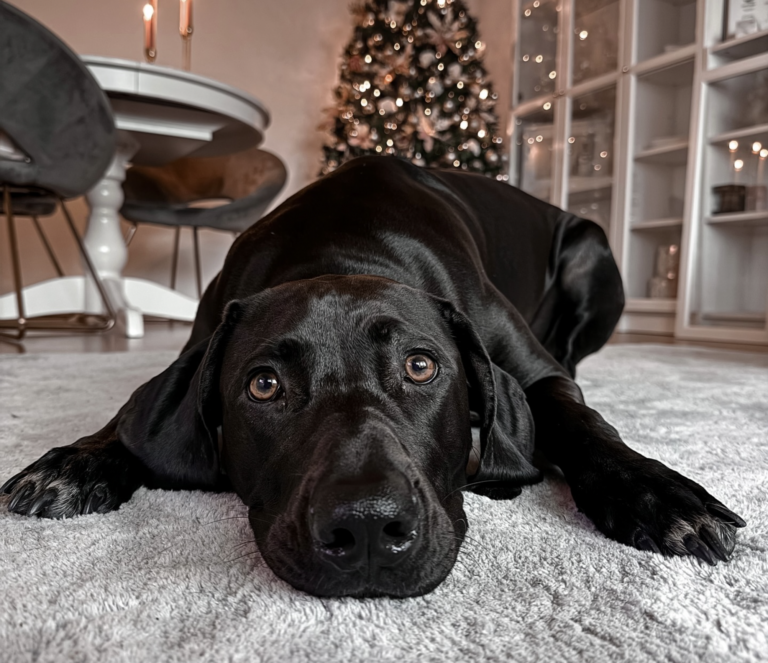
{"points": [[337, 363]]}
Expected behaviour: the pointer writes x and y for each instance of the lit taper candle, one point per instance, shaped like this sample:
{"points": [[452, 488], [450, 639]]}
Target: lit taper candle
{"points": [[150, 31]]}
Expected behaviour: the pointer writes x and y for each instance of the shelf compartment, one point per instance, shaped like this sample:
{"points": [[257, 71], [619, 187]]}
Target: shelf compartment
{"points": [[673, 154], [663, 110], [735, 280], [741, 47], [656, 224], [648, 305], [737, 103], [664, 23], [739, 218]]}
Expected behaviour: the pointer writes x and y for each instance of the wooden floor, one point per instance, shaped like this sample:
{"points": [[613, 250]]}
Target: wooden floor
{"points": [[173, 336]]}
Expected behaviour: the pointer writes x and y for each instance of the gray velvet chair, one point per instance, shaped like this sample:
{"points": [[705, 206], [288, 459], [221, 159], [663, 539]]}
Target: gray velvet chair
{"points": [[57, 137], [244, 184]]}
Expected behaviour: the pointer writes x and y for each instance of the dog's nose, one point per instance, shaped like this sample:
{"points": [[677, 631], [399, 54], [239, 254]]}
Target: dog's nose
{"points": [[365, 521]]}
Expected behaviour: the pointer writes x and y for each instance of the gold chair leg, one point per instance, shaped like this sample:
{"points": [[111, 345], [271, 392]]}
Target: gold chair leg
{"points": [[21, 321], [175, 258], [131, 232], [47, 246], [198, 275], [109, 322]]}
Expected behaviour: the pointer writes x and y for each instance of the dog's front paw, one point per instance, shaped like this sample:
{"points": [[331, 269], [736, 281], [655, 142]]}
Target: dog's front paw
{"points": [[644, 504], [68, 481]]}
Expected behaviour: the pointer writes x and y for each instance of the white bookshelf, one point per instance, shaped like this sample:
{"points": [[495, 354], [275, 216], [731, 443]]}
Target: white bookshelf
{"points": [[626, 112]]}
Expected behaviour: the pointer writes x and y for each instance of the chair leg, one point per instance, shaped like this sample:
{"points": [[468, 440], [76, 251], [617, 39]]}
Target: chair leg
{"points": [[175, 258], [21, 321], [198, 275], [111, 316], [47, 246], [131, 232]]}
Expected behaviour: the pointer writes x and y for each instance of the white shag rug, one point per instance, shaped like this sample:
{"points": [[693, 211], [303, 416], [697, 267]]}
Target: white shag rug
{"points": [[174, 576]]}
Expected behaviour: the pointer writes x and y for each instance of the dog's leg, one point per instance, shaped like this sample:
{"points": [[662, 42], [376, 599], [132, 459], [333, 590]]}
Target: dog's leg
{"points": [[630, 498], [585, 296], [164, 437], [96, 474]]}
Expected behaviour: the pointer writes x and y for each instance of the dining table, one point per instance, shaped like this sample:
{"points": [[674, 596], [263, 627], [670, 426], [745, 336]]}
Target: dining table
{"points": [[161, 114]]}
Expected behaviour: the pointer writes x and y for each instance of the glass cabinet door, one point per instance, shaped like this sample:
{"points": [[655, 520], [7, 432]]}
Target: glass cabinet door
{"points": [[595, 38], [591, 155], [534, 142], [537, 48]]}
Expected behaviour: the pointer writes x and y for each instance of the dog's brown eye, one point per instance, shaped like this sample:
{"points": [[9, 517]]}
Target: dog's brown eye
{"points": [[420, 368], [264, 386]]}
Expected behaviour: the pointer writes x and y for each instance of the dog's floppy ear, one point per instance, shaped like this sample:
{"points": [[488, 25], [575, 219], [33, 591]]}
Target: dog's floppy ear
{"points": [[506, 422], [171, 422]]}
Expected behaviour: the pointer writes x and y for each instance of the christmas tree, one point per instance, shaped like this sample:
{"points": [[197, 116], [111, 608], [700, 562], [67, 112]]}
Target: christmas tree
{"points": [[412, 84]]}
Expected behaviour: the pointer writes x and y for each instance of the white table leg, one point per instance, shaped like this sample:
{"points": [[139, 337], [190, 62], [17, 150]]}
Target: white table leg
{"points": [[104, 240]]}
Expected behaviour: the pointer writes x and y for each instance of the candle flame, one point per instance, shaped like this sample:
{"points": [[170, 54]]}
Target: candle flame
{"points": [[149, 11]]}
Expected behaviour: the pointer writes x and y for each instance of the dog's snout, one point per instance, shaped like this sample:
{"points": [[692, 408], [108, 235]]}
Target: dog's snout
{"points": [[364, 521]]}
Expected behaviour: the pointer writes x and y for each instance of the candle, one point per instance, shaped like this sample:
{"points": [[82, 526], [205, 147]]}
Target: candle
{"points": [[733, 146], [185, 30], [185, 18], [737, 166], [150, 31]]}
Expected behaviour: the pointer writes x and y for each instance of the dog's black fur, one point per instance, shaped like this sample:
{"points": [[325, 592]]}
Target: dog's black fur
{"points": [[353, 471]]}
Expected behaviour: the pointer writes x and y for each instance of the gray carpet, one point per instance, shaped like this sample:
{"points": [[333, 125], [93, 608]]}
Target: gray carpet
{"points": [[174, 576]]}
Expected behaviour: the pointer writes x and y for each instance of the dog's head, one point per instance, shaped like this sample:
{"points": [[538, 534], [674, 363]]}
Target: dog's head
{"points": [[344, 409]]}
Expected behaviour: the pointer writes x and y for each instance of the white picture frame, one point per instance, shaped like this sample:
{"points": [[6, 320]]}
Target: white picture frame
{"points": [[744, 17]]}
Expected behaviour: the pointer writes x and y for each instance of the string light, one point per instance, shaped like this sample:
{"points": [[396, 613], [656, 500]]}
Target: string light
{"points": [[547, 105], [398, 102], [756, 146], [368, 59], [733, 145], [464, 124], [583, 35], [539, 58], [738, 165], [481, 133]]}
